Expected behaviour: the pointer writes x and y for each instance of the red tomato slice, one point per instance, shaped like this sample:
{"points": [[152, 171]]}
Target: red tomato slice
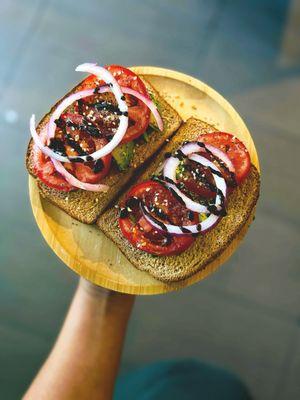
{"points": [[140, 233], [138, 112], [234, 148], [139, 115], [85, 172], [194, 186], [45, 171]]}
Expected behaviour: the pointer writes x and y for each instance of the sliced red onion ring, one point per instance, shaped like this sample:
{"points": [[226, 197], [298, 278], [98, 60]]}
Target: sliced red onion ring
{"points": [[61, 169], [196, 147], [69, 177], [202, 227], [41, 145], [219, 181], [149, 103], [105, 75], [92, 187], [55, 157], [69, 101], [221, 156], [170, 167]]}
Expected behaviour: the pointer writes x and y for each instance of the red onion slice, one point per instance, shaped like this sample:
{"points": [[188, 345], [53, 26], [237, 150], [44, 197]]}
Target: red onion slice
{"points": [[41, 145], [169, 172], [149, 103], [105, 75], [219, 181], [68, 101], [61, 169], [202, 227], [77, 96], [51, 127], [221, 156], [196, 147], [69, 177], [92, 187]]}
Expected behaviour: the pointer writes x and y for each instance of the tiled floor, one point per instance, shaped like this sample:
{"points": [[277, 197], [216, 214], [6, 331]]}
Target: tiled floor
{"points": [[247, 315]]}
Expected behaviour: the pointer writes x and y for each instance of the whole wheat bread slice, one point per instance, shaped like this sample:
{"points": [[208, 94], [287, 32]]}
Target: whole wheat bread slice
{"points": [[205, 248], [87, 206]]}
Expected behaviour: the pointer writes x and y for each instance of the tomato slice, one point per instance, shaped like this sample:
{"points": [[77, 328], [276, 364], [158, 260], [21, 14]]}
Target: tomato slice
{"points": [[190, 185], [234, 148], [88, 172], [139, 232], [75, 138], [138, 112], [45, 171], [93, 172]]}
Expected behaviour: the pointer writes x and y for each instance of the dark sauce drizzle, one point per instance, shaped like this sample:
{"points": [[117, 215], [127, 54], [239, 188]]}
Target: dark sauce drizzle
{"points": [[223, 165], [98, 166], [203, 179], [75, 145], [58, 146]]}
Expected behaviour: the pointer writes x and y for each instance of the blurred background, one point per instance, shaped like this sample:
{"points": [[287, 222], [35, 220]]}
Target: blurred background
{"points": [[246, 316]]}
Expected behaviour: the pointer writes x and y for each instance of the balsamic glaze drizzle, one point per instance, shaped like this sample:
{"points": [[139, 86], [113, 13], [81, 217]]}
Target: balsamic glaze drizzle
{"points": [[222, 164], [75, 145], [202, 178], [98, 166], [57, 146]]}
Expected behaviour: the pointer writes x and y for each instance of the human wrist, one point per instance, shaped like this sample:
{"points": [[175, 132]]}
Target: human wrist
{"points": [[98, 293]]}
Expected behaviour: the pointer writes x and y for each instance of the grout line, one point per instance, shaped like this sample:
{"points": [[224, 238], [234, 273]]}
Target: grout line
{"points": [[27, 38]]}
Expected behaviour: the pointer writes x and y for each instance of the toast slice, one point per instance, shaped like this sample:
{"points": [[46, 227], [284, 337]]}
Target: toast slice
{"points": [[87, 206], [206, 248]]}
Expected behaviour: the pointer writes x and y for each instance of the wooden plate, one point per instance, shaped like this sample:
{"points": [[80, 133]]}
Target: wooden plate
{"points": [[86, 250]]}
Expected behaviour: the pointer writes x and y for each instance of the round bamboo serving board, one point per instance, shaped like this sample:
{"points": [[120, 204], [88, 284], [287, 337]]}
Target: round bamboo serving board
{"points": [[86, 250]]}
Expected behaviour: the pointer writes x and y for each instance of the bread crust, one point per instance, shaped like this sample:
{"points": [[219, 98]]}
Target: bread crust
{"points": [[206, 248], [87, 206]]}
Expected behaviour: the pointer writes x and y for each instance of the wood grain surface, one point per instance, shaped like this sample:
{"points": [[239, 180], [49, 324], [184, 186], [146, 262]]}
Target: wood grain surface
{"points": [[86, 250]]}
